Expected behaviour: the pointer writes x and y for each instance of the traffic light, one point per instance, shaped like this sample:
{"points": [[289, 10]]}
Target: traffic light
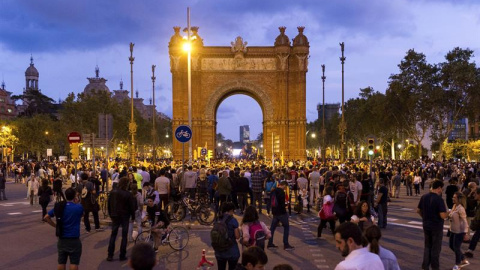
{"points": [[371, 145], [209, 154]]}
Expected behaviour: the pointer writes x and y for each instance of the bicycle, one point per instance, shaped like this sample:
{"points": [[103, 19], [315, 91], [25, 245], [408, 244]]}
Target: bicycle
{"points": [[177, 210], [175, 236]]}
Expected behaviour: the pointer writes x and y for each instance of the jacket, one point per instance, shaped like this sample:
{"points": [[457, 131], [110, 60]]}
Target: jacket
{"points": [[280, 209], [121, 203]]}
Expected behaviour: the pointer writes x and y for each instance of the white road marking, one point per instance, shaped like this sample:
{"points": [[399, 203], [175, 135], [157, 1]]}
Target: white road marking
{"points": [[14, 213], [406, 209], [36, 211], [320, 260], [415, 222]]}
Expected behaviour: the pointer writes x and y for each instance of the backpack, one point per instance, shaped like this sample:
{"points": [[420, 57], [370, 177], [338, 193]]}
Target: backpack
{"points": [[269, 186], [273, 199], [219, 235], [58, 210], [257, 235], [327, 211]]}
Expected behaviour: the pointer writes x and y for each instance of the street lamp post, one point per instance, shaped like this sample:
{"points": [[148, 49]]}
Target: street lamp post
{"points": [[154, 115], [132, 126], [324, 132], [343, 125], [189, 82]]}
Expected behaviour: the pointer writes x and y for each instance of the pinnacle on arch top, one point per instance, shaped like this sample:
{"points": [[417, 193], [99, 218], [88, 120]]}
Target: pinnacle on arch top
{"points": [[282, 39], [176, 37], [300, 29], [300, 39], [282, 29]]}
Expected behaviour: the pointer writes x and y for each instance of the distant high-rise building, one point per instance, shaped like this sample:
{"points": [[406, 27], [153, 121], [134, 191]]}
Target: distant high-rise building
{"points": [[330, 110], [244, 133]]}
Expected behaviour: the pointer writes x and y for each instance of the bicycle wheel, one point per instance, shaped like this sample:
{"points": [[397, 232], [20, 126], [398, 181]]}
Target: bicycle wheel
{"points": [[178, 238], [145, 237], [205, 215], [179, 212]]}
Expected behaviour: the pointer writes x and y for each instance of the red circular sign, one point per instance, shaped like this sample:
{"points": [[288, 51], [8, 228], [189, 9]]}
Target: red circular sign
{"points": [[74, 137]]}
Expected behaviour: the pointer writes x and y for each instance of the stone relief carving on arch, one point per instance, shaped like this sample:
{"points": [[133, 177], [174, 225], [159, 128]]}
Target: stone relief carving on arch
{"points": [[260, 95]]}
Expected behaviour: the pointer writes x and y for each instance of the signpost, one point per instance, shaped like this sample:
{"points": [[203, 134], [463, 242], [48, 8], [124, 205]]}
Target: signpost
{"points": [[183, 134], [204, 151]]}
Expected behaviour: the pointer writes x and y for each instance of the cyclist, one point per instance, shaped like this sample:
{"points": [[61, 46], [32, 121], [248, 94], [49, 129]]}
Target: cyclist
{"points": [[158, 219]]}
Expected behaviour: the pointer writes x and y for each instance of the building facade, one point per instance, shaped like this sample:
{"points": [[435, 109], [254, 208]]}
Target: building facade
{"points": [[330, 110]]}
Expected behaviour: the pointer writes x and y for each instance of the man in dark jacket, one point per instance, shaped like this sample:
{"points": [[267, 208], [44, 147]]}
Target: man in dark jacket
{"points": [[280, 216], [121, 207], [476, 227]]}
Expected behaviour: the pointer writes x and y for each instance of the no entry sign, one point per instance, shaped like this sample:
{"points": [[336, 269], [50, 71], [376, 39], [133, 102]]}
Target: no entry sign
{"points": [[74, 137]]}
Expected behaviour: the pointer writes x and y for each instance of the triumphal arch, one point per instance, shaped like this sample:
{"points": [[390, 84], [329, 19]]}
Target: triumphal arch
{"points": [[275, 76]]}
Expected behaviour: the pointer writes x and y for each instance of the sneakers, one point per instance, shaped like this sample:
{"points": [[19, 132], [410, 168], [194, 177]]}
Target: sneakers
{"points": [[270, 246], [288, 247], [100, 229], [455, 267], [123, 259], [155, 249], [468, 253], [109, 259], [464, 263]]}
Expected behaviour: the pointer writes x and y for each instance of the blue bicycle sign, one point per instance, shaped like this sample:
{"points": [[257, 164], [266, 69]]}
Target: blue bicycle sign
{"points": [[183, 134]]}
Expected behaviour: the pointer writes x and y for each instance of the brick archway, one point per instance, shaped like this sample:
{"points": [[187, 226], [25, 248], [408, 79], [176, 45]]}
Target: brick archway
{"points": [[274, 76]]}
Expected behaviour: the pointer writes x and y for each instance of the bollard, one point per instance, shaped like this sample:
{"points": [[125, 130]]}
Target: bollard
{"points": [[204, 262]]}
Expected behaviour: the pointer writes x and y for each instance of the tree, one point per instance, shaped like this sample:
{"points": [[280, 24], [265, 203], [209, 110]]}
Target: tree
{"points": [[459, 85], [409, 96], [36, 102]]}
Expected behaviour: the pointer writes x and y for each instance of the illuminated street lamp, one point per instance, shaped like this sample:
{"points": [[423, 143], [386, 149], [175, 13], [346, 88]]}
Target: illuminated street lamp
{"points": [[314, 135], [132, 127]]}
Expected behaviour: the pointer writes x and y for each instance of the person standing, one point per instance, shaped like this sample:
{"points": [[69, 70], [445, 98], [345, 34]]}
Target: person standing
{"points": [[68, 220], [397, 181], [232, 254], [45, 193], [257, 189], [458, 229], [314, 178], [89, 202], [433, 211], [162, 186], [280, 216], [189, 182], [3, 181], [224, 187], [348, 240], [381, 202], [121, 207], [474, 226], [33, 186]]}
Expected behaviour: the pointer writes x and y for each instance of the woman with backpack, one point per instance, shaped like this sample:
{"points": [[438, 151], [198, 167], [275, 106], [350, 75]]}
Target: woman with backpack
{"points": [[254, 231]]}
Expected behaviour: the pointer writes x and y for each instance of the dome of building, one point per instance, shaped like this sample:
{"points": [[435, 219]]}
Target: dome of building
{"points": [[282, 39], [96, 84], [300, 39], [31, 70]]}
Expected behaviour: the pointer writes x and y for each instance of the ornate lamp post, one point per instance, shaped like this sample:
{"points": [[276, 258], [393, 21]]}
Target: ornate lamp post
{"points": [[132, 127], [324, 132], [343, 125], [154, 115]]}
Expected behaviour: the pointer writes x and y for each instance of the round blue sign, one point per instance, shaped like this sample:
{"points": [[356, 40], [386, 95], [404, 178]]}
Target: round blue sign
{"points": [[183, 134], [204, 151]]}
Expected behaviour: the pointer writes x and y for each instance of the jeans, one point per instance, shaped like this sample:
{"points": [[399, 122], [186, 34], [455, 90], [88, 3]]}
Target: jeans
{"points": [[474, 240], [257, 199], [116, 223], [396, 191], [138, 220], [2, 193], [455, 244], [286, 228], [242, 200], [409, 190], [268, 204], [417, 189], [86, 220], [322, 224], [382, 215], [222, 263], [433, 247]]}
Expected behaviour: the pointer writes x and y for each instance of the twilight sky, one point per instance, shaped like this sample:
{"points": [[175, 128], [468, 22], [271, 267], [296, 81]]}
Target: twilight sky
{"points": [[69, 38]]}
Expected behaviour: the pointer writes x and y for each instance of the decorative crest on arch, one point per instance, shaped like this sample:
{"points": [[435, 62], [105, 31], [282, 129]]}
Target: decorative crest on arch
{"points": [[241, 86], [239, 48]]}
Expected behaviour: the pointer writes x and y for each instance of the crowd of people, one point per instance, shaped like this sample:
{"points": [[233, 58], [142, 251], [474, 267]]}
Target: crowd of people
{"points": [[354, 193]]}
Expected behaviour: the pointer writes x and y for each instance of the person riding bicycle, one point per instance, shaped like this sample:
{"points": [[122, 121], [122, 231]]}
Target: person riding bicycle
{"points": [[158, 220]]}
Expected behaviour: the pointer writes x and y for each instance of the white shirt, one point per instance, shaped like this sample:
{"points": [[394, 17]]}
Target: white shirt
{"points": [[356, 188], [161, 184], [361, 259]]}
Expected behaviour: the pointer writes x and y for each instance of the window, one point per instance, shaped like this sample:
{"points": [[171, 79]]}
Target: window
{"points": [[9, 110]]}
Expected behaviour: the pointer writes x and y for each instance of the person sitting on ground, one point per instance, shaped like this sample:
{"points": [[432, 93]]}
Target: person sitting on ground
{"points": [[253, 258], [362, 216], [373, 235], [143, 257]]}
